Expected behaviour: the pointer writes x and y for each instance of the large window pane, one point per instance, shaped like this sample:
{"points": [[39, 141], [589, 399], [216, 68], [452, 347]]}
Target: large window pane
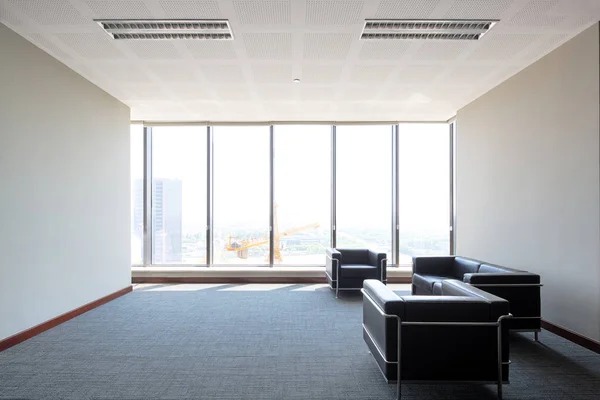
{"points": [[137, 193], [241, 195], [364, 187], [179, 195], [302, 188], [424, 176]]}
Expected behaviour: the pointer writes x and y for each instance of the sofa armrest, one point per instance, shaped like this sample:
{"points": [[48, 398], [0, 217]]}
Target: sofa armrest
{"points": [[502, 279], [388, 301], [433, 265]]}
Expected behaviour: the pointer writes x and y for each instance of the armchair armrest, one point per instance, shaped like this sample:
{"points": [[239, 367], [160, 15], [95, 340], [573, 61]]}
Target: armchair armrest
{"points": [[379, 260], [524, 278], [332, 261], [433, 265]]}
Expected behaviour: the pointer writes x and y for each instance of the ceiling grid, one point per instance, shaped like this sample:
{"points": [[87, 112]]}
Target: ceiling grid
{"points": [[341, 77]]}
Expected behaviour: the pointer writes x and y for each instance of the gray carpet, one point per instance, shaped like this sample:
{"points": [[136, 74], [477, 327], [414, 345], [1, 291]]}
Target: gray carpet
{"points": [[286, 343]]}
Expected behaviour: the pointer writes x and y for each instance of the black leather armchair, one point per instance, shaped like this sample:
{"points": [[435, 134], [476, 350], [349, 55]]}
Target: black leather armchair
{"points": [[460, 335], [346, 269]]}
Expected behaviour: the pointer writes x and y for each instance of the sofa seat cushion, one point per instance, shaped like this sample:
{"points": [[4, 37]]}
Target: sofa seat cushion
{"points": [[358, 271], [427, 281]]}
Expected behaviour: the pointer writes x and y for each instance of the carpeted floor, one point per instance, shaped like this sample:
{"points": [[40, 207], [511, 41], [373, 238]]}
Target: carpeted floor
{"points": [[252, 342]]}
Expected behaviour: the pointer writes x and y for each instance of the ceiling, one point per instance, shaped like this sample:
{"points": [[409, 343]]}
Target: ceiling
{"points": [[342, 78]]}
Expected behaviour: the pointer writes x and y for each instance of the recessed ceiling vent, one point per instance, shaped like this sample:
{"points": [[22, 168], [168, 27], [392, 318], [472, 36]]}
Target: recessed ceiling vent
{"points": [[167, 29], [426, 29]]}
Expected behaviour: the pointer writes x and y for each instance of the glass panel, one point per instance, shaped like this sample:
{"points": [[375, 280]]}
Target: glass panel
{"points": [[364, 187], [302, 188], [137, 193], [424, 202], [179, 195], [241, 195]]}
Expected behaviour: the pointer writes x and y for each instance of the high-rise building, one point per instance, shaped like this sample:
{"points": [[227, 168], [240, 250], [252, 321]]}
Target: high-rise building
{"points": [[166, 218]]}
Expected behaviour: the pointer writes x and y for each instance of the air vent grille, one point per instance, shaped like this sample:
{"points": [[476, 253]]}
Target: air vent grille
{"points": [[167, 29], [419, 36], [426, 29], [168, 36]]}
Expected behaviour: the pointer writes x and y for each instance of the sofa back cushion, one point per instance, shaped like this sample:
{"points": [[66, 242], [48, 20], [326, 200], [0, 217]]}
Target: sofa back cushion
{"points": [[498, 305], [355, 256], [445, 309], [496, 269], [463, 266]]}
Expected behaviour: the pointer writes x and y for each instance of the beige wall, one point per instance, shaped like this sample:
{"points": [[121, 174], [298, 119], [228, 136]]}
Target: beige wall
{"points": [[528, 180], [64, 179]]}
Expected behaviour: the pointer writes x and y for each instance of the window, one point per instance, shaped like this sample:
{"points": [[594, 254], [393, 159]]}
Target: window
{"points": [[302, 193], [137, 193], [179, 195], [364, 187], [241, 195], [424, 190]]}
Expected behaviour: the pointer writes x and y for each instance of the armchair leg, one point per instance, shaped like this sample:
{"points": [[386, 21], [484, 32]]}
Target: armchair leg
{"points": [[536, 336]]}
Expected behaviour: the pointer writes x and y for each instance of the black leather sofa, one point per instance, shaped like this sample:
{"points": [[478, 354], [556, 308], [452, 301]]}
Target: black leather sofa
{"points": [[520, 288], [346, 269], [459, 335]]}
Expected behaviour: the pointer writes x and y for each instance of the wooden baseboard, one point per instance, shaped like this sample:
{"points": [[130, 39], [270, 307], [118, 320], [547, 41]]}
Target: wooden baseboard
{"points": [[574, 337], [44, 326], [236, 280]]}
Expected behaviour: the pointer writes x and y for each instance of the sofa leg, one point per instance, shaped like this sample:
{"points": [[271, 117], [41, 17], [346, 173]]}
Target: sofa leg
{"points": [[536, 336]]}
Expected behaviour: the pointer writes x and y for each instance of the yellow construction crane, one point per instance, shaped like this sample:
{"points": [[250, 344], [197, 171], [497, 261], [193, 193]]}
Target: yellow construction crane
{"points": [[241, 246]]}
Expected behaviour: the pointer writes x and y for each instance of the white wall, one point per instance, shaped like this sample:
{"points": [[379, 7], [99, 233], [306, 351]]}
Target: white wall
{"points": [[528, 180], [64, 188]]}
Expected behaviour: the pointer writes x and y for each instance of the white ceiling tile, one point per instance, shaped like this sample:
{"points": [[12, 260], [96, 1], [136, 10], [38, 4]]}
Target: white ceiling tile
{"points": [[442, 50], [360, 92], [315, 93], [415, 74], [477, 9], [328, 12], [468, 74], [154, 50], [113, 9], [279, 92], [211, 50], [8, 16], [544, 47], [186, 91], [217, 74], [327, 46], [263, 12], [406, 9], [238, 92], [502, 46], [125, 72], [321, 73], [170, 72], [268, 46], [384, 49], [93, 46], [48, 46], [49, 12], [371, 73], [191, 9], [536, 14], [272, 73]]}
